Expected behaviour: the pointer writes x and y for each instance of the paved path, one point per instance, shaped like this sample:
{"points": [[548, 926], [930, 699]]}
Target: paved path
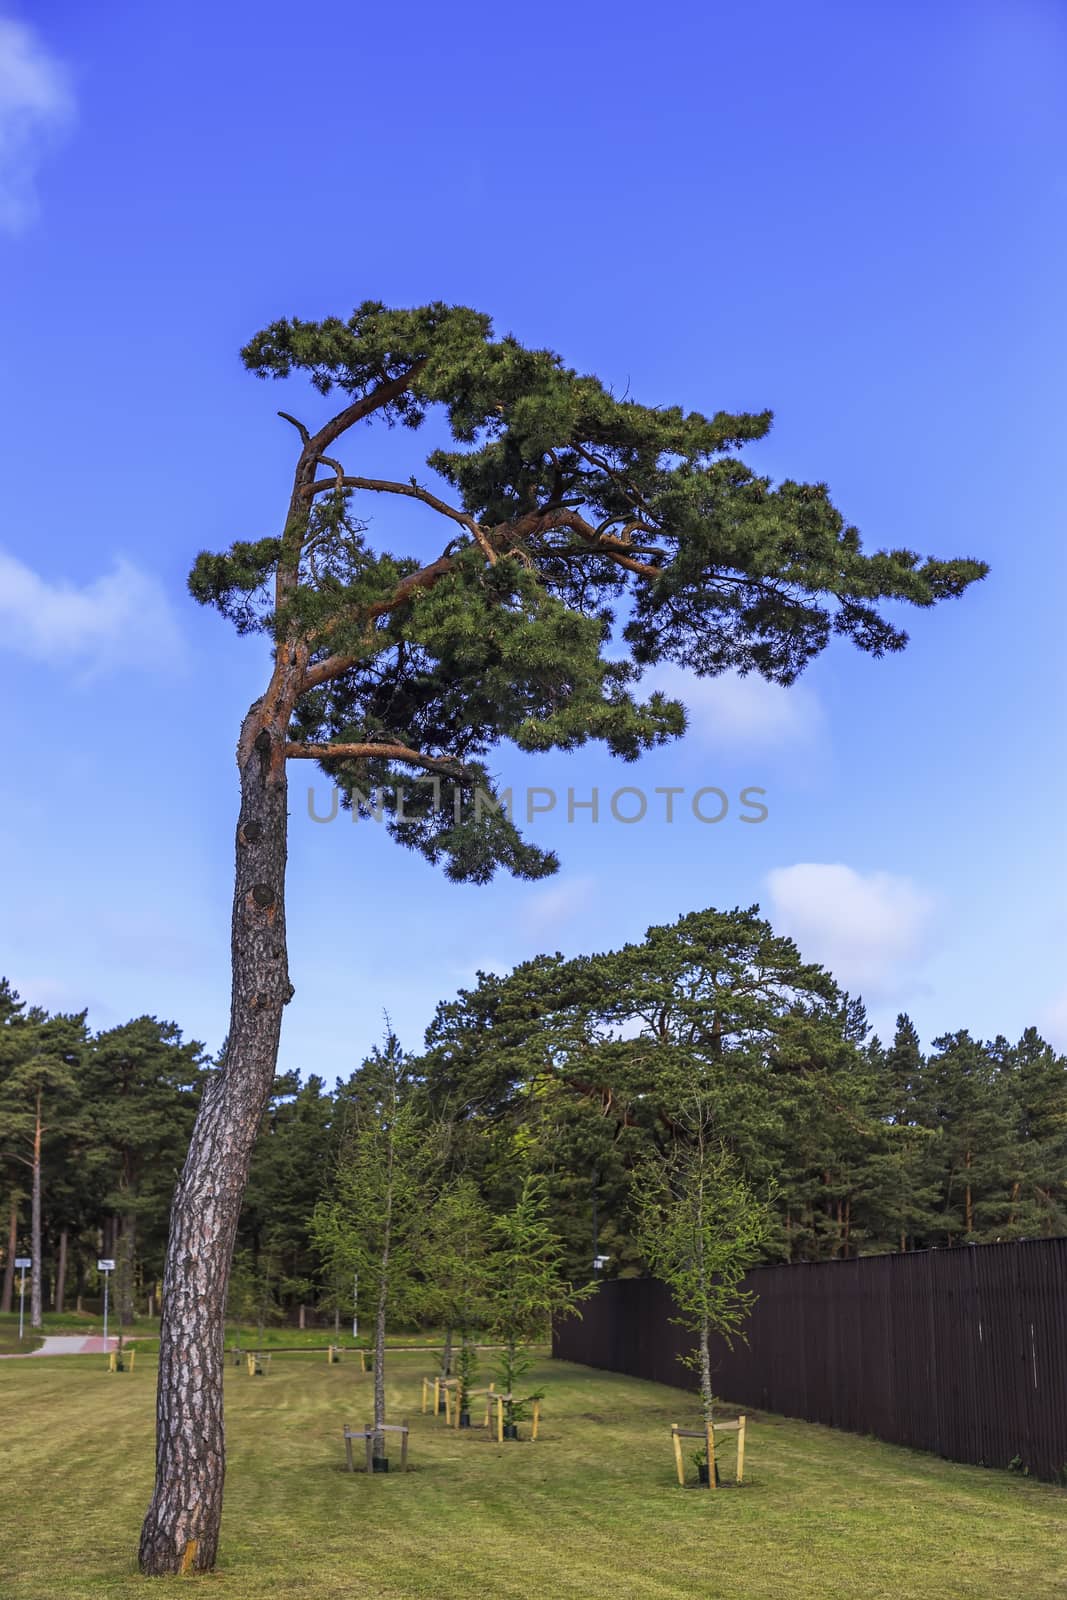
{"points": [[64, 1344]]}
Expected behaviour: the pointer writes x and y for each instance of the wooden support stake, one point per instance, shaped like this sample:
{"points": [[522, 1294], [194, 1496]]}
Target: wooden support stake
{"points": [[499, 1420], [112, 1362], [370, 1449], [436, 1396], [678, 1462], [536, 1418], [362, 1364], [740, 1449], [425, 1394], [448, 1406], [404, 1447], [709, 1434], [133, 1358], [348, 1453]]}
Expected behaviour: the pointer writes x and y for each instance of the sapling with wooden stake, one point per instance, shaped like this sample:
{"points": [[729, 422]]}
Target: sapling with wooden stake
{"points": [[528, 1287], [701, 1227], [459, 1239], [375, 1219]]}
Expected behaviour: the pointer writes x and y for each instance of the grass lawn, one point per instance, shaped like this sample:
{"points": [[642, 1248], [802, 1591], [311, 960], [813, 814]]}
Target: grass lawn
{"points": [[10, 1344], [590, 1509]]}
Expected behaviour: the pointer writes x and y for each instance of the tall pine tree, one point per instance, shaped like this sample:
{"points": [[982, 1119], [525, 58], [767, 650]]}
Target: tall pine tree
{"points": [[557, 505]]}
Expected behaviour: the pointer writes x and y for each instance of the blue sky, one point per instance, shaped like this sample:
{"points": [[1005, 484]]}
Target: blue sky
{"points": [[855, 215]]}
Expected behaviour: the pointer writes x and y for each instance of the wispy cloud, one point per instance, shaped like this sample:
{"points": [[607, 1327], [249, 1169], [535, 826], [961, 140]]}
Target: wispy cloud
{"points": [[870, 929], [743, 713], [36, 106], [554, 907], [121, 618]]}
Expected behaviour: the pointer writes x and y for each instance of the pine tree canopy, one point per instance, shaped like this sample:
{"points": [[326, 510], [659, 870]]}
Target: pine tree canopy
{"points": [[715, 1004], [570, 518]]}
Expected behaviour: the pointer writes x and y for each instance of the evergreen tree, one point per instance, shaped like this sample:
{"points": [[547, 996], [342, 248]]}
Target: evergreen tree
{"points": [[898, 1203], [557, 502], [1039, 1096], [967, 1098], [285, 1181], [142, 1084], [715, 1002], [903, 1067], [37, 1076]]}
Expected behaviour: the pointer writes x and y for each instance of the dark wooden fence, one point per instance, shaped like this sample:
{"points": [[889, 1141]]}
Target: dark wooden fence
{"points": [[963, 1351]]}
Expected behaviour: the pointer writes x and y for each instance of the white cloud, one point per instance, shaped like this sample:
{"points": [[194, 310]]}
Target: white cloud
{"points": [[36, 104], [123, 618], [741, 712], [555, 907], [870, 929]]}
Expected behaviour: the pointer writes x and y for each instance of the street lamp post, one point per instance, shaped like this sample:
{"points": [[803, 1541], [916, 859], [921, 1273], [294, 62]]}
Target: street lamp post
{"points": [[107, 1268], [22, 1262]]}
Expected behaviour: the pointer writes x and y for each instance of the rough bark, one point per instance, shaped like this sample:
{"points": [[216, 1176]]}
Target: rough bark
{"points": [[35, 1222], [181, 1529], [8, 1293], [61, 1272]]}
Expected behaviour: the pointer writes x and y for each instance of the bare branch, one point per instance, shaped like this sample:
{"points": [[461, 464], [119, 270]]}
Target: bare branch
{"points": [[415, 491], [385, 392], [450, 766], [299, 426], [617, 549]]}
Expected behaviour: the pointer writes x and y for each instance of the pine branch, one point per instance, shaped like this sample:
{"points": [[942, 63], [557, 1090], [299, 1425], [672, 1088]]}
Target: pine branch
{"points": [[449, 766]]}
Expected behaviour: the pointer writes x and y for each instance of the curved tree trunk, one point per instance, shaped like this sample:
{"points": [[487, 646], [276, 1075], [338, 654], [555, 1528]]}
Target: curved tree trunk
{"points": [[181, 1529]]}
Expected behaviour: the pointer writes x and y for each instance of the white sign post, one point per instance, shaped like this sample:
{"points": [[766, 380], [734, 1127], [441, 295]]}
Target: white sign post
{"points": [[107, 1268], [22, 1262]]}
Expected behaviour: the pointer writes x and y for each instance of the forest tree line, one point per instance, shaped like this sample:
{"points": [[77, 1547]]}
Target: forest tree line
{"points": [[577, 1069]]}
